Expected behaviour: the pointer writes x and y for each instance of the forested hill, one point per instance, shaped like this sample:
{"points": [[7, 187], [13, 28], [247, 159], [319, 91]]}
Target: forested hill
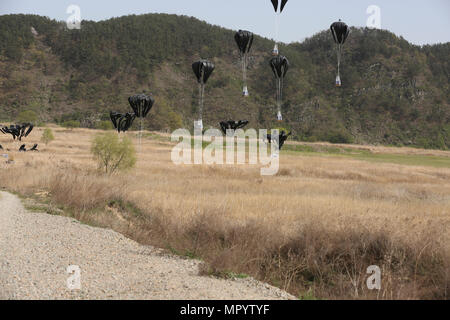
{"points": [[393, 92]]}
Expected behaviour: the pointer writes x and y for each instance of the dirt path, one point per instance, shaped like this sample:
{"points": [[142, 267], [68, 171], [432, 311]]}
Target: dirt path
{"points": [[37, 248]]}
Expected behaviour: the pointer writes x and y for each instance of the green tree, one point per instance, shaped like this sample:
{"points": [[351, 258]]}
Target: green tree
{"points": [[47, 136], [112, 153], [27, 116], [174, 121]]}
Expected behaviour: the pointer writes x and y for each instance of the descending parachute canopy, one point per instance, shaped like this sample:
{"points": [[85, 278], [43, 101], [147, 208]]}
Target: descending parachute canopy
{"points": [[340, 32], [18, 131], [122, 122], [244, 41], [232, 125], [282, 137], [115, 118], [125, 122], [203, 70], [280, 66], [275, 5], [141, 104]]}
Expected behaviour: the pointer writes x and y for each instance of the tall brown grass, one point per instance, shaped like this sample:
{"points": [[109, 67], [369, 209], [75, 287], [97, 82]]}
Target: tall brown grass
{"points": [[315, 227]]}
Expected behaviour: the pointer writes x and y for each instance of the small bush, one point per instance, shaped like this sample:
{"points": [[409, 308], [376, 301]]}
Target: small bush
{"points": [[113, 154], [27, 116], [174, 121], [339, 137], [71, 124], [47, 136], [104, 125]]}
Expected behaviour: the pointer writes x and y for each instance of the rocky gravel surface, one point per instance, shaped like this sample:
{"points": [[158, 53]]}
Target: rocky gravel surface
{"points": [[36, 250]]}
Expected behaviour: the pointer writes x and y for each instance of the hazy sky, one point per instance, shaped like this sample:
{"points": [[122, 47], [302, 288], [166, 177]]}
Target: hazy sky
{"points": [[418, 21]]}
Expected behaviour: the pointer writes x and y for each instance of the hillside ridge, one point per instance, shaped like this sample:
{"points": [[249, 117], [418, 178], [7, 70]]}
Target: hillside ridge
{"points": [[394, 93]]}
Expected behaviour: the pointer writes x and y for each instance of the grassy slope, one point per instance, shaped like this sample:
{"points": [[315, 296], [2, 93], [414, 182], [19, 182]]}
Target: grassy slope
{"points": [[334, 216], [395, 155]]}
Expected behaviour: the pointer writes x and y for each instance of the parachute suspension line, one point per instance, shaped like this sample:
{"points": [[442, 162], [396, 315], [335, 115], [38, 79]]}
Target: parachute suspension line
{"points": [[203, 97], [277, 22], [244, 71], [281, 92], [277, 26], [339, 55], [279, 95], [279, 85], [140, 134], [201, 93], [200, 102]]}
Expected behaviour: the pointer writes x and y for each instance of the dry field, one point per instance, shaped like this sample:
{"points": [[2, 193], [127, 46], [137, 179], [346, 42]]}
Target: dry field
{"points": [[312, 230]]}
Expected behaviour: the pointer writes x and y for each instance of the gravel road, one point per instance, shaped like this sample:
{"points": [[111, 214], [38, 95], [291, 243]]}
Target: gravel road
{"points": [[36, 249]]}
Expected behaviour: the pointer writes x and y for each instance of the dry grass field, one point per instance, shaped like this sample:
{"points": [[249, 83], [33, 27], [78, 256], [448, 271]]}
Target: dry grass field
{"points": [[313, 229]]}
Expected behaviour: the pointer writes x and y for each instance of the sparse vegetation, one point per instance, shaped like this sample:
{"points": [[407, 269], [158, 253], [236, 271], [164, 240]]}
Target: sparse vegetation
{"points": [[312, 230], [47, 136], [113, 154], [71, 124], [104, 125], [27, 117]]}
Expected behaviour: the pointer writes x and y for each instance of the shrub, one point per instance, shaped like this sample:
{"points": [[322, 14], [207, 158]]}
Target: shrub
{"points": [[71, 124], [47, 136], [104, 125], [338, 136], [113, 154], [174, 121], [27, 116]]}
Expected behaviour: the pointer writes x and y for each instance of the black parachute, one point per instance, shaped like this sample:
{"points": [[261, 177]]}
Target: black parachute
{"points": [[141, 104], [202, 70], [282, 137], [340, 32], [115, 116], [34, 148], [232, 125], [122, 122], [275, 5], [244, 41], [18, 131], [280, 66], [125, 122]]}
